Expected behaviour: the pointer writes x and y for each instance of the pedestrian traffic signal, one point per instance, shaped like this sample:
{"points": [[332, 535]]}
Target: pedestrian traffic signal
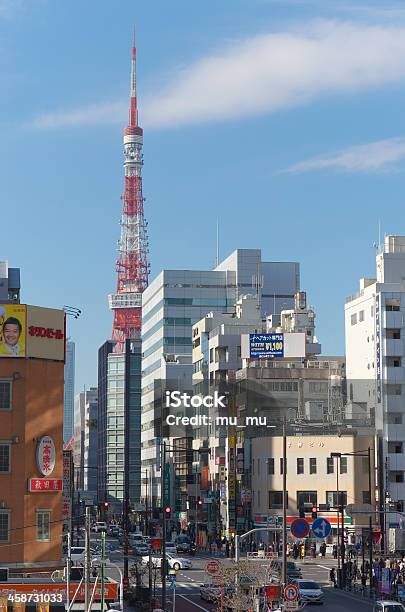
{"points": [[168, 511], [314, 511], [199, 501]]}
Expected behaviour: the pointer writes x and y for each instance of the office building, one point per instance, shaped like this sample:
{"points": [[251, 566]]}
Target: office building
{"points": [[119, 426], [85, 443], [69, 393], [375, 334], [9, 283], [177, 299]]}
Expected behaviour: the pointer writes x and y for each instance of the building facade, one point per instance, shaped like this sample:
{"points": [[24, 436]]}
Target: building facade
{"points": [[375, 337], [31, 436], [9, 283], [176, 300], [69, 393]]}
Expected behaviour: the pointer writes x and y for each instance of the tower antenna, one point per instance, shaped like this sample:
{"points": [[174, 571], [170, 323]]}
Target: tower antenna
{"points": [[132, 260]]}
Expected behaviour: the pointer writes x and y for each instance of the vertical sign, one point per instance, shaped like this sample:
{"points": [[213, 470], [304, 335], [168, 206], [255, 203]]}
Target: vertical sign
{"points": [[167, 485], [378, 345], [67, 491]]}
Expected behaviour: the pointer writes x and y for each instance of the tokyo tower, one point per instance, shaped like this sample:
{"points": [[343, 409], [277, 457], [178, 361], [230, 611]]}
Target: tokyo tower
{"points": [[132, 259]]}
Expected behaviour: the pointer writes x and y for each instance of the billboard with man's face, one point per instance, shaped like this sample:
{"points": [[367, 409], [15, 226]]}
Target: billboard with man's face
{"points": [[13, 326]]}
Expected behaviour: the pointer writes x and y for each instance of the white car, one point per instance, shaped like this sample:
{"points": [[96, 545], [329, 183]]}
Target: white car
{"points": [[388, 606], [175, 563], [309, 591]]}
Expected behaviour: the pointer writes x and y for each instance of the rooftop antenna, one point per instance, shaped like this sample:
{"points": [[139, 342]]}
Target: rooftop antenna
{"points": [[217, 256]]}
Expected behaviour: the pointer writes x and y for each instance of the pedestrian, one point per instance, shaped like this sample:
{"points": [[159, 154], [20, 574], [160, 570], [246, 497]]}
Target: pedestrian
{"points": [[334, 551], [322, 549], [233, 548], [302, 551], [332, 576], [295, 551], [227, 548]]}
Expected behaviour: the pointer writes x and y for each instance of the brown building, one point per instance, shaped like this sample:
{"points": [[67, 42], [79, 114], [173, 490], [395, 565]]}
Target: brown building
{"points": [[31, 436]]}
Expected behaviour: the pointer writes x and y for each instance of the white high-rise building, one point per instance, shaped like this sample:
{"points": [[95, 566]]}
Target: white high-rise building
{"points": [[69, 392], [375, 364], [177, 299]]}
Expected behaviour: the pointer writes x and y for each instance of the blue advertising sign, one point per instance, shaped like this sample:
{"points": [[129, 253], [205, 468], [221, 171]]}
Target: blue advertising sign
{"points": [[299, 528], [321, 528], [263, 346]]}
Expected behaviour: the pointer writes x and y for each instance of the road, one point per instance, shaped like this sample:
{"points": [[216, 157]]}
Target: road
{"points": [[188, 585]]}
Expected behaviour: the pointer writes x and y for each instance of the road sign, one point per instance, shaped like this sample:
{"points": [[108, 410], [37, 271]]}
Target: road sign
{"points": [[353, 509], [270, 519], [321, 528], [213, 568], [291, 592], [299, 528]]}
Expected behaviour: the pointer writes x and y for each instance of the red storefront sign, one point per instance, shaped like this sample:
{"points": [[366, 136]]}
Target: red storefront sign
{"points": [[272, 592], [44, 485]]}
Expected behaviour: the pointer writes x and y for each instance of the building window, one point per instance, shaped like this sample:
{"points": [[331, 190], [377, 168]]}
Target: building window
{"points": [[393, 333], [394, 418], [307, 497], [366, 497], [318, 387], [332, 499], [395, 448], [393, 362], [4, 525], [300, 465], [5, 395], [392, 305], [276, 499], [43, 525], [393, 389], [4, 458], [312, 465], [361, 316], [343, 465], [330, 465], [396, 476], [353, 319], [281, 465], [270, 466]]}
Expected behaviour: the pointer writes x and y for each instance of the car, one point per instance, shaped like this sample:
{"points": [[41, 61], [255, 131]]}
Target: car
{"points": [[171, 549], [293, 571], [186, 547], [114, 531], [78, 553], [99, 527], [388, 606], [140, 549], [309, 591], [173, 562]]}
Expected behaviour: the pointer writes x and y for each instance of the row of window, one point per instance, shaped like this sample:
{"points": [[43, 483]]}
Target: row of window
{"points": [[312, 465], [393, 305], [42, 524], [275, 498]]}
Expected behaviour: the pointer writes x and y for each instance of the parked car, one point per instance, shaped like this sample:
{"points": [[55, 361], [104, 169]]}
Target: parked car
{"points": [[309, 591], [176, 563], [388, 606]]}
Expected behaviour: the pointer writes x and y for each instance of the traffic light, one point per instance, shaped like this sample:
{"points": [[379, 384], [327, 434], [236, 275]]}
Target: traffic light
{"points": [[199, 501], [106, 504], [314, 512], [168, 512]]}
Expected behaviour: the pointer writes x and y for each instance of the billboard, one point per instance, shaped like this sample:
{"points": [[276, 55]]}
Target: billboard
{"points": [[267, 346], [45, 333], [13, 330]]}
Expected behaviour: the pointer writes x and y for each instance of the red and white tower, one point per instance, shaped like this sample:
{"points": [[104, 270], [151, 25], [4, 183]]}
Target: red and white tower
{"points": [[132, 260]]}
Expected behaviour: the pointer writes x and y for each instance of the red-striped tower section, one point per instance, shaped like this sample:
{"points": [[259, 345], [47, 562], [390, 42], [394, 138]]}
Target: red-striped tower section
{"points": [[132, 261]]}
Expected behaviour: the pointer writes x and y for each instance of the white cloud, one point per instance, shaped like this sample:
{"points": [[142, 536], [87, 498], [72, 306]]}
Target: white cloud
{"points": [[374, 157], [107, 112], [265, 74]]}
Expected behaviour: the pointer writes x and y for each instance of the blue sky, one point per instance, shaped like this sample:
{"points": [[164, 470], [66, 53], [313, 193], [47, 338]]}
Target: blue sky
{"points": [[285, 118]]}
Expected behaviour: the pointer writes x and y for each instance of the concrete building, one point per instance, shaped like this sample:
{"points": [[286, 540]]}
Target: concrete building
{"points": [[375, 336], [85, 443], [31, 438], [119, 420], [176, 300], [311, 474], [9, 283], [78, 441], [69, 393]]}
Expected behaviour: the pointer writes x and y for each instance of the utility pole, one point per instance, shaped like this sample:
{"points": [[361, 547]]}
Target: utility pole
{"points": [[285, 501], [87, 562], [102, 568], [68, 566], [163, 562]]}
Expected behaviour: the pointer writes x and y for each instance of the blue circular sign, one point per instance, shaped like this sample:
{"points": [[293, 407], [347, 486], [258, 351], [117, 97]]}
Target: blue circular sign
{"points": [[299, 528], [321, 528]]}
